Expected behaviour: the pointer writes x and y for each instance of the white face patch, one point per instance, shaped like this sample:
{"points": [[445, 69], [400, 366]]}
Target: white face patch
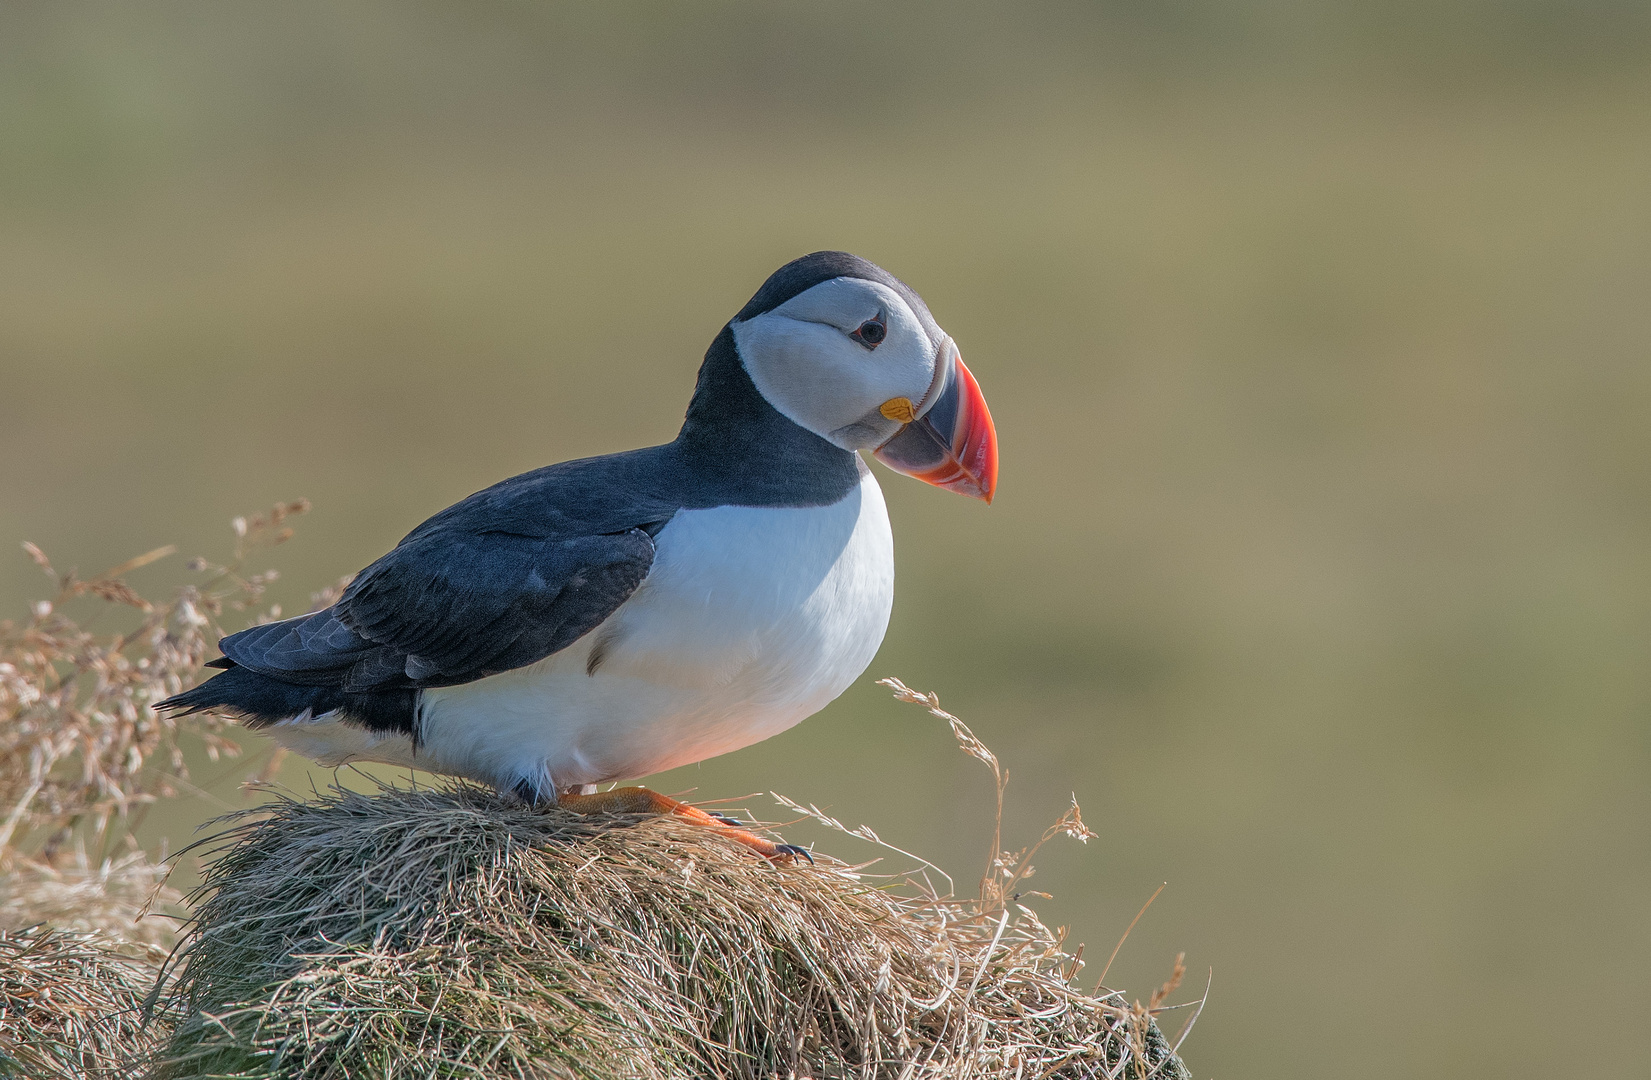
{"points": [[803, 359]]}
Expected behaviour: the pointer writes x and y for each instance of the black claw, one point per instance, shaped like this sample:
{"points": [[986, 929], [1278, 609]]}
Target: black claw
{"points": [[779, 849], [793, 850]]}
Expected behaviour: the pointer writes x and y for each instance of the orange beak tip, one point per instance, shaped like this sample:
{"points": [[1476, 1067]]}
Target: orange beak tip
{"points": [[953, 445]]}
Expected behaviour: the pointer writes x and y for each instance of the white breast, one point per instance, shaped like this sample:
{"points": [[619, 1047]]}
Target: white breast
{"points": [[751, 619]]}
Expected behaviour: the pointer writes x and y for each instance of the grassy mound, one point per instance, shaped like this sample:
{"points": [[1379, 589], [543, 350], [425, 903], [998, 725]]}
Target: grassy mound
{"points": [[78, 958], [456, 932], [71, 1003]]}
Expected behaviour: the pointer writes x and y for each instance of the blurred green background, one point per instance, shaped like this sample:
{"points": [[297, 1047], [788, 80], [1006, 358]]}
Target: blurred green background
{"points": [[1316, 334]]}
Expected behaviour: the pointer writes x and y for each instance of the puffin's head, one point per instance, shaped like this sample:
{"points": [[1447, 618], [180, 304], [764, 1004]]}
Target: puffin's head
{"points": [[843, 348]]}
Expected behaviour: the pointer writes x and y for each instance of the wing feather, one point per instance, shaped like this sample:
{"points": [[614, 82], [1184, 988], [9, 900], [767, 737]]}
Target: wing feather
{"points": [[449, 607]]}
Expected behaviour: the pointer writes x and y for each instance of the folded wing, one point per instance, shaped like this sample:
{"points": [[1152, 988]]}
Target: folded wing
{"points": [[450, 606]]}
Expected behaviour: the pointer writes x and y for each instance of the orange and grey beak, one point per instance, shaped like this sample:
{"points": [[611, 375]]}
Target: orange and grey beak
{"points": [[947, 439]]}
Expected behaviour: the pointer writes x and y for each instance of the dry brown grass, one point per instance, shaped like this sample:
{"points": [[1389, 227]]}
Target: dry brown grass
{"points": [[71, 1004], [81, 751], [82, 755], [457, 932], [118, 897]]}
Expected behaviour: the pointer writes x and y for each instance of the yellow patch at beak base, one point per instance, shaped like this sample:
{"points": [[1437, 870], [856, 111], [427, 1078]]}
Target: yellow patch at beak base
{"points": [[900, 409]]}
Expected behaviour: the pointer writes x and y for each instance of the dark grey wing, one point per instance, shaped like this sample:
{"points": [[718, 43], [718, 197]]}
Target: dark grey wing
{"points": [[311, 650], [449, 606], [460, 606]]}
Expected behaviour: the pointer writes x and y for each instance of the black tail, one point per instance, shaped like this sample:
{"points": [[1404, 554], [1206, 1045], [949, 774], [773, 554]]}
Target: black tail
{"points": [[258, 700], [254, 698]]}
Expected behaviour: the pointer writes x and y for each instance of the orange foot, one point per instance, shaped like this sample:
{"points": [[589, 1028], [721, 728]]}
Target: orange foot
{"points": [[640, 800]]}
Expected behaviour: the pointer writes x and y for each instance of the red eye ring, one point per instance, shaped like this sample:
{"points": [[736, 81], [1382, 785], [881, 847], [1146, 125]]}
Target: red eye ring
{"points": [[871, 333]]}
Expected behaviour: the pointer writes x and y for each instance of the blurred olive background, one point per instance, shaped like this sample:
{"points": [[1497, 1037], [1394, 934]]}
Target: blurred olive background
{"points": [[1316, 334]]}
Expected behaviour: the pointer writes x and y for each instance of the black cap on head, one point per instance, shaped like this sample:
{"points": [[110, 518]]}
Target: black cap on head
{"points": [[800, 275]]}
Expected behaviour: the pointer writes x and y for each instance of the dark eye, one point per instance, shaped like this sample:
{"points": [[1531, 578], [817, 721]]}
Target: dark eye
{"points": [[871, 333]]}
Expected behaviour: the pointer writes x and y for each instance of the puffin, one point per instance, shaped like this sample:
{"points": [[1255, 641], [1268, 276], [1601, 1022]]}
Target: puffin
{"points": [[611, 617]]}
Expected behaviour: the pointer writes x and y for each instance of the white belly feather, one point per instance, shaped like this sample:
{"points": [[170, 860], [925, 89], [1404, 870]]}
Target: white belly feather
{"points": [[750, 620]]}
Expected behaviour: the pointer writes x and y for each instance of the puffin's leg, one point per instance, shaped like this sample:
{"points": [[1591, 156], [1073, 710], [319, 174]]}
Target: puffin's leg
{"points": [[640, 800]]}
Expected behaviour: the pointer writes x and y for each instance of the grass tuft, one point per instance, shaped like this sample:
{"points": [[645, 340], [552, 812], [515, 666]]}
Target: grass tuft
{"points": [[82, 758], [457, 932], [71, 1004]]}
